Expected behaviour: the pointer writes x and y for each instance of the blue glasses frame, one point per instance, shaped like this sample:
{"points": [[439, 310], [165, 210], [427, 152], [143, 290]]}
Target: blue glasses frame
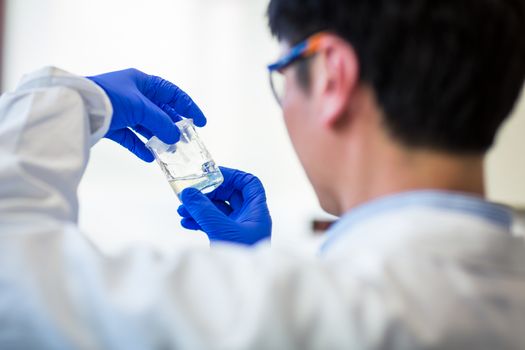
{"points": [[304, 49]]}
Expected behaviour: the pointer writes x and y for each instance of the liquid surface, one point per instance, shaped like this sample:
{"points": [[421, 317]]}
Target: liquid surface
{"points": [[204, 183]]}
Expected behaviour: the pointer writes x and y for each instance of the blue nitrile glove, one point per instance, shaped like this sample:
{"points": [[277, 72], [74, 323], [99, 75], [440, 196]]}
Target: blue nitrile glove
{"points": [[148, 105], [235, 212]]}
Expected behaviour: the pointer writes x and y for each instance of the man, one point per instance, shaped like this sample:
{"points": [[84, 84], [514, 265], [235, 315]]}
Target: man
{"points": [[391, 107]]}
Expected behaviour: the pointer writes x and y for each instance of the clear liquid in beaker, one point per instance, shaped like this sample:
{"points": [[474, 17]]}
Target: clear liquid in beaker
{"points": [[204, 183], [186, 163]]}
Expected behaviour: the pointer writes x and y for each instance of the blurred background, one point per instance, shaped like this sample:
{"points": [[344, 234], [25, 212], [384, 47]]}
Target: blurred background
{"points": [[217, 51]]}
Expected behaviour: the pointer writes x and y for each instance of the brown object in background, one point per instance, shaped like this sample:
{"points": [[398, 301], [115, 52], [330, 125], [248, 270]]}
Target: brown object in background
{"points": [[519, 222], [319, 227]]}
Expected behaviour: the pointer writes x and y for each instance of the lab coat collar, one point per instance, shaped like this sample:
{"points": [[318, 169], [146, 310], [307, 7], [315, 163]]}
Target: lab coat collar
{"points": [[454, 202]]}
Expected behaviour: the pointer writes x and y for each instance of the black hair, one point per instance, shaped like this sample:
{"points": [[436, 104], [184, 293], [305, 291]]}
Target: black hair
{"points": [[446, 73]]}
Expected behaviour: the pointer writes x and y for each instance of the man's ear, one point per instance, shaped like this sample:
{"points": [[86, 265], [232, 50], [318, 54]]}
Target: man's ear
{"points": [[335, 78]]}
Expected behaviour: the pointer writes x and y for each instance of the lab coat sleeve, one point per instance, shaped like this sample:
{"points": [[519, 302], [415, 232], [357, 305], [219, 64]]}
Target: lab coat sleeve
{"points": [[58, 292], [47, 126], [96, 103]]}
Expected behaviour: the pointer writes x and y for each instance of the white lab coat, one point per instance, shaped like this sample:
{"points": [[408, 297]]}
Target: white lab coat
{"points": [[417, 278]]}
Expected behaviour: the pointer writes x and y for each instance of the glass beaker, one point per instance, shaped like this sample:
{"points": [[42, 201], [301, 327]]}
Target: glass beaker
{"points": [[186, 163]]}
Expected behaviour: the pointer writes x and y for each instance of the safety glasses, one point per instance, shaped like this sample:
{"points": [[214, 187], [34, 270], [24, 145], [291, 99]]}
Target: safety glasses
{"points": [[300, 51]]}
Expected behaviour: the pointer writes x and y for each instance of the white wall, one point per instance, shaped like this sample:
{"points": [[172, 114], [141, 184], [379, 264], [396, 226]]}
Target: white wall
{"points": [[505, 170], [217, 51]]}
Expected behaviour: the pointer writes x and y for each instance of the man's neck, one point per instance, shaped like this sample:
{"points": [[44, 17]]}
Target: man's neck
{"points": [[394, 169]]}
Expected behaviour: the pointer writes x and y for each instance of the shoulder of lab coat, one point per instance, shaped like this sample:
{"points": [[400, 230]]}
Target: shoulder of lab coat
{"points": [[47, 125], [97, 103]]}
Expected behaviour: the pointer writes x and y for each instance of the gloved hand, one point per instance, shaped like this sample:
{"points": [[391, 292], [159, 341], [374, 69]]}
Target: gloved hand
{"points": [[235, 212], [147, 104]]}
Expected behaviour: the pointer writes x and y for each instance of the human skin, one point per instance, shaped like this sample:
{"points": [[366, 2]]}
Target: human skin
{"points": [[336, 127]]}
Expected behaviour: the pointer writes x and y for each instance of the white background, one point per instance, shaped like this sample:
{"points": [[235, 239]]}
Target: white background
{"points": [[216, 50]]}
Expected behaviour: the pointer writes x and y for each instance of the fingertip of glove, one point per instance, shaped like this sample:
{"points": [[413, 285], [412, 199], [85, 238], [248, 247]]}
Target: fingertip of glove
{"points": [[181, 211], [197, 116], [200, 122], [169, 134], [173, 136], [146, 156], [148, 159], [189, 224], [189, 193]]}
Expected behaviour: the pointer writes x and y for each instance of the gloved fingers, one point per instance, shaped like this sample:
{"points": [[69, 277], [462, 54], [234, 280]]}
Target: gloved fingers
{"points": [[236, 200], [183, 212], [254, 190], [143, 131], [226, 189], [190, 224], [236, 180], [184, 105], [174, 115], [162, 92], [159, 123], [128, 139], [250, 200], [203, 210], [221, 193], [221, 205]]}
